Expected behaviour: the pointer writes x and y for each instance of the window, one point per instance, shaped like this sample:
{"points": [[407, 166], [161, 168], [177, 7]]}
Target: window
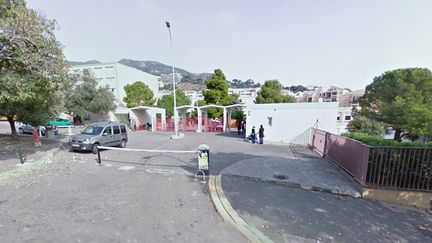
{"points": [[338, 118], [109, 67], [123, 129], [347, 118], [107, 130], [309, 99], [334, 98], [98, 68], [116, 129]]}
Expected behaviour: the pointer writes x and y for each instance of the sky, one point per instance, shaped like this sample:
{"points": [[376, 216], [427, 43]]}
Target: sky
{"points": [[309, 42]]}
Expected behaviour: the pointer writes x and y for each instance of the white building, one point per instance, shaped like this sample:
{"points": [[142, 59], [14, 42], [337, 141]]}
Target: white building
{"points": [[245, 95], [284, 122], [117, 75], [194, 95]]}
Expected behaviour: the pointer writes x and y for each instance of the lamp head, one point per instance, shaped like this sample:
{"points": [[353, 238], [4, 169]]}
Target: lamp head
{"points": [[167, 24]]}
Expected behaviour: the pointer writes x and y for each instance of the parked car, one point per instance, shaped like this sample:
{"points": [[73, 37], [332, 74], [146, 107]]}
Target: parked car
{"points": [[26, 128], [101, 133], [59, 122]]}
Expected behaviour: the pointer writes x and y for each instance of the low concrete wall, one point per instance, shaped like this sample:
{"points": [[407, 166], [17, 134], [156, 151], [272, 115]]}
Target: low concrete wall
{"points": [[408, 198]]}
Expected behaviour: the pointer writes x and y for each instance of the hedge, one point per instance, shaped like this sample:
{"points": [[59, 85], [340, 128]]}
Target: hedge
{"points": [[375, 141]]}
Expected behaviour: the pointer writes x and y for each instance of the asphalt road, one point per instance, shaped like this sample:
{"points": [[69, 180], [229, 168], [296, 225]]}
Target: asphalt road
{"points": [[294, 215]]}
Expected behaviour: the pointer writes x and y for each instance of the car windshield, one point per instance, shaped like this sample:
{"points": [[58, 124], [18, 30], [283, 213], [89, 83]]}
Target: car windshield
{"points": [[92, 130]]}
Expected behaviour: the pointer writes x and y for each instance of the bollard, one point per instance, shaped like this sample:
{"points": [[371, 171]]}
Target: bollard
{"points": [[203, 159], [99, 159], [21, 154]]}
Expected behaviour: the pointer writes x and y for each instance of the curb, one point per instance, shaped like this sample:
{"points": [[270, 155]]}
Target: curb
{"points": [[228, 214], [297, 185]]}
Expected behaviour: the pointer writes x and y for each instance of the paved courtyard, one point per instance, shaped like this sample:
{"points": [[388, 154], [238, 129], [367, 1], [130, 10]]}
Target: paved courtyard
{"points": [[154, 197]]}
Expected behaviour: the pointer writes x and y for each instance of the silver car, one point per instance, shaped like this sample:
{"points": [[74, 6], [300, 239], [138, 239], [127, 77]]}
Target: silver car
{"points": [[26, 128], [101, 133]]}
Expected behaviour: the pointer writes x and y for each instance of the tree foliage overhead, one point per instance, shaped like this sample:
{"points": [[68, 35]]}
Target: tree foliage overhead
{"points": [[217, 93], [271, 92], [137, 94], [85, 97], [402, 99], [32, 65], [167, 102]]}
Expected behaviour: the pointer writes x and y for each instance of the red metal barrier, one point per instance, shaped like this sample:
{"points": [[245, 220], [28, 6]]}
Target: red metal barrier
{"points": [[191, 124], [349, 154], [407, 168]]}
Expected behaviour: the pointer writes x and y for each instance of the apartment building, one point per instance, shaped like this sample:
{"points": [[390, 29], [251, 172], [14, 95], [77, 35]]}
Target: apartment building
{"points": [[116, 76]]}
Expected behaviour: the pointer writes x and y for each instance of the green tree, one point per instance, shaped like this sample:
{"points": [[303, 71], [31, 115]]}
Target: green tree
{"points": [[167, 102], [367, 126], [402, 99], [137, 94], [32, 65], [237, 83], [271, 92], [217, 93], [298, 88], [85, 97]]}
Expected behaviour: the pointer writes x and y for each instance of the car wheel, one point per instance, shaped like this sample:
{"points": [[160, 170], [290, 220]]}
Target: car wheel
{"points": [[123, 144], [21, 130], [95, 148]]}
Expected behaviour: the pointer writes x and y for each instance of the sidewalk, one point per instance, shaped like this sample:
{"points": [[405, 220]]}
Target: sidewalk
{"points": [[299, 168]]}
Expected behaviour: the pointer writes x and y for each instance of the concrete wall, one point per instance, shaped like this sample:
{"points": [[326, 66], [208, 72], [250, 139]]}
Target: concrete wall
{"points": [[290, 120], [408, 198]]}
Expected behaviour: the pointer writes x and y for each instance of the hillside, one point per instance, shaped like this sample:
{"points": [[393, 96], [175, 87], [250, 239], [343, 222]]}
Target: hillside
{"points": [[153, 67], [192, 81], [73, 63]]}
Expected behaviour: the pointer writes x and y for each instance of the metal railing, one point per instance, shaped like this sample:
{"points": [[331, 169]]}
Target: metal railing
{"points": [[349, 154], [407, 168], [400, 168], [303, 139]]}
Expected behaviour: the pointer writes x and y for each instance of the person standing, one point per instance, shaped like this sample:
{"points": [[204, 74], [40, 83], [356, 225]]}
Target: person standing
{"points": [[261, 134], [239, 127], [253, 135], [243, 127]]}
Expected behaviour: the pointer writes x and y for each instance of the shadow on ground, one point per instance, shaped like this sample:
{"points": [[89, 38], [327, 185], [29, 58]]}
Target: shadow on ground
{"points": [[8, 149]]}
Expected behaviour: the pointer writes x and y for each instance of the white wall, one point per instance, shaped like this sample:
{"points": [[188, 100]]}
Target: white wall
{"points": [[117, 75], [290, 120], [128, 75], [342, 123]]}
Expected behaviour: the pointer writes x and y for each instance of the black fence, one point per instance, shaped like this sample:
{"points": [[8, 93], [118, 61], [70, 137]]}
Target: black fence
{"points": [[400, 168]]}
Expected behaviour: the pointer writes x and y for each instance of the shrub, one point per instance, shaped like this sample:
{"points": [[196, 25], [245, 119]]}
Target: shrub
{"points": [[375, 141]]}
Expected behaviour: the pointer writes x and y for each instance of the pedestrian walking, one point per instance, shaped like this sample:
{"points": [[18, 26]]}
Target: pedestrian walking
{"points": [[253, 135], [261, 134], [239, 127]]}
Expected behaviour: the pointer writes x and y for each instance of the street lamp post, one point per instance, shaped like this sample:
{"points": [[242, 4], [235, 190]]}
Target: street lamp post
{"points": [[174, 85]]}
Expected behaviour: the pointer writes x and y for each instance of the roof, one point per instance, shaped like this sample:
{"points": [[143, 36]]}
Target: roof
{"points": [[211, 106], [142, 108], [236, 106]]}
